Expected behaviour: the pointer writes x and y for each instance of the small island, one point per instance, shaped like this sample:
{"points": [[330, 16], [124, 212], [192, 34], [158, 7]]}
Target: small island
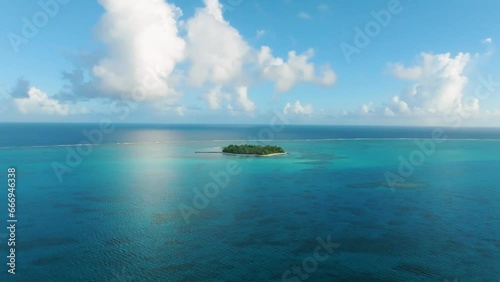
{"points": [[255, 150]]}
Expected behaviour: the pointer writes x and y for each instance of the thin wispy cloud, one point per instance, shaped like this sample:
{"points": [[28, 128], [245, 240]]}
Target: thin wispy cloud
{"points": [[323, 8], [304, 16], [487, 40], [260, 33]]}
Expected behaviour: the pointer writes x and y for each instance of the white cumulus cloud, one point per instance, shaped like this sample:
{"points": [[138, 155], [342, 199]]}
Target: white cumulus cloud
{"points": [[243, 101], [215, 97], [367, 108], [216, 50], [296, 69], [39, 102], [143, 48], [438, 88], [298, 109]]}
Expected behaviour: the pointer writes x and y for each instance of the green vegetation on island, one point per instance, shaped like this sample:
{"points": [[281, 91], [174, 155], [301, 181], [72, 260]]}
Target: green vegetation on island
{"points": [[253, 150]]}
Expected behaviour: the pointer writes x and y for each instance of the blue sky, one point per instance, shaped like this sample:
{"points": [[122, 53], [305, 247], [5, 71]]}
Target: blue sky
{"points": [[244, 61]]}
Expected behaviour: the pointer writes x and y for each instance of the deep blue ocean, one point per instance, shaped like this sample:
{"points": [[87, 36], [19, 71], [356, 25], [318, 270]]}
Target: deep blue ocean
{"points": [[136, 203]]}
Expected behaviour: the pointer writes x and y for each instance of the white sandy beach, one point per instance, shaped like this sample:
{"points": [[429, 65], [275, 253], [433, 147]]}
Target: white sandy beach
{"points": [[255, 155]]}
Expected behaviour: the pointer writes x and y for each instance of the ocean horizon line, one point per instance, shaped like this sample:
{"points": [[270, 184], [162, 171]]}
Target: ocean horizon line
{"points": [[241, 140], [255, 124]]}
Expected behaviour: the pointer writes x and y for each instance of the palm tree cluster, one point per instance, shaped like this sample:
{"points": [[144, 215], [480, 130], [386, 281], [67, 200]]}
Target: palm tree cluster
{"points": [[252, 149]]}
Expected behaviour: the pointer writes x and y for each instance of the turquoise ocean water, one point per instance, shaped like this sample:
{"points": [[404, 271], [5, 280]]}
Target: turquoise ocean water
{"points": [[117, 215]]}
